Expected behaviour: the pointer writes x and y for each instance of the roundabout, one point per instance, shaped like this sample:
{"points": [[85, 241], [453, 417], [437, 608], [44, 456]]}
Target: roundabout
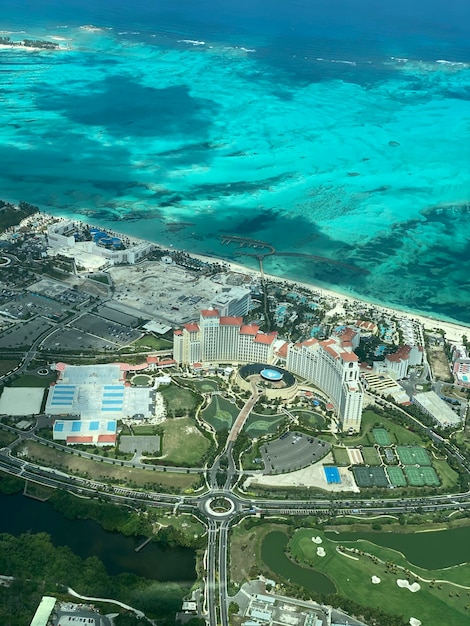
{"points": [[219, 506]]}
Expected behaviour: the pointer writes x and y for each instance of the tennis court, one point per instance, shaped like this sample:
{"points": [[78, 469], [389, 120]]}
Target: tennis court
{"points": [[381, 436], [370, 476], [332, 475], [370, 456], [413, 455], [430, 476], [396, 476], [414, 476]]}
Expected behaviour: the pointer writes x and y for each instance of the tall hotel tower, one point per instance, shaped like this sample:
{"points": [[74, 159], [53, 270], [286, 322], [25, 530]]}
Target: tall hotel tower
{"points": [[334, 368], [222, 339]]}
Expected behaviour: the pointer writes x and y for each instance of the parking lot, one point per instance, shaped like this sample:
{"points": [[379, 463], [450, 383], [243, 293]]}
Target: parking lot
{"points": [[292, 451], [32, 304], [71, 339], [112, 314], [22, 335], [105, 329], [58, 291]]}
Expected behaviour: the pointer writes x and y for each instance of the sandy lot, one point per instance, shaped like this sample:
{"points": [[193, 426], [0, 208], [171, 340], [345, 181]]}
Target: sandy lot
{"points": [[312, 476]]}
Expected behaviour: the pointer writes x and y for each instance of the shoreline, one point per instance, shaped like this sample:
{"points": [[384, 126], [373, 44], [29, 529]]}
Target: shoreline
{"points": [[453, 330]]}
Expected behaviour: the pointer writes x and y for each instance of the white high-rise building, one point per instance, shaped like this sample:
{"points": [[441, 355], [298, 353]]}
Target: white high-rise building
{"points": [[331, 365], [334, 368], [232, 301], [222, 339]]}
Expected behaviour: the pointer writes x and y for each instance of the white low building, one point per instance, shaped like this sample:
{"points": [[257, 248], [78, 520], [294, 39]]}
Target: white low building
{"points": [[431, 404]]}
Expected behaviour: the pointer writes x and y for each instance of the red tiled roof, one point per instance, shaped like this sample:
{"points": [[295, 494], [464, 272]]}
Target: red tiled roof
{"points": [[266, 339], [178, 332], [197, 366], [165, 362], [249, 329], [152, 359], [327, 347], [231, 321], [348, 334], [282, 352], [79, 439], [371, 326], [349, 357], [192, 327], [209, 313], [401, 354], [106, 438]]}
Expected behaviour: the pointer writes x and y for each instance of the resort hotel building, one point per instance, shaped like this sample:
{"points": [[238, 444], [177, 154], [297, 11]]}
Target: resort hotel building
{"points": [[334, 368], [330, 365], [222, 339]]}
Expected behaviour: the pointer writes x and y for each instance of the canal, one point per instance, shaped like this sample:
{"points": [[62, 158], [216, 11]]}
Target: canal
{"points": [[273, 555], [86, 538]]}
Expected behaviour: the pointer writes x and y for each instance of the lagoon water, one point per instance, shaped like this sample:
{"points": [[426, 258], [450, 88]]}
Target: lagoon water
{"points": [[86, 539], [333, 128]]}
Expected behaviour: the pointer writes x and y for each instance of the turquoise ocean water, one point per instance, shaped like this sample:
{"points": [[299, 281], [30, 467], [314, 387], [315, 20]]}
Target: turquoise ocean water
{"points": [[338, 129]]}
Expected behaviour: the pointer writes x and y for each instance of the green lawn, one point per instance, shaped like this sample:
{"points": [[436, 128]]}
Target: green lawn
{"points": [[341, 456], [142, 380], [153, 343], [206, 385], [432, 604], [6, 365], [370, 456], [248, 457], [183, 443], [34, 380], [6, 438], [220, 413], [448, 476], [398, 434], [179, 400], [309, 419], [147, 429]]}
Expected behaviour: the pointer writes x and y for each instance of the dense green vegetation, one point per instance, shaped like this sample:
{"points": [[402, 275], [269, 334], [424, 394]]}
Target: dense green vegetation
{"points": [[11, 215], [40, 568], [179, 401], [110, 516]]}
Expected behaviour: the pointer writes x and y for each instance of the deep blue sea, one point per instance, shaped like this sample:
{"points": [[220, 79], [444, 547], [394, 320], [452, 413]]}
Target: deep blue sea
{"points": [[332, 128]]}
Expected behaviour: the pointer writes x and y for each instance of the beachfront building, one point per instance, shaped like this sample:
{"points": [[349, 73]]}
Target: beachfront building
{"points": [[398, 363], [222, 339], [330, 365], [334, 368], [91, 255], [234, 301], [461, 365]]}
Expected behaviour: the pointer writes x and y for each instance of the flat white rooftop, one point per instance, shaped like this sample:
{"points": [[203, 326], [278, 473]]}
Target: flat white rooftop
{"points": [[439, 409], [18, 401]]}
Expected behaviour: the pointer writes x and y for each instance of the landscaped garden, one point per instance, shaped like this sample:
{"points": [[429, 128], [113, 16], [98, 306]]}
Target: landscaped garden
{"points": [[179, 400], [220, 413]]}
